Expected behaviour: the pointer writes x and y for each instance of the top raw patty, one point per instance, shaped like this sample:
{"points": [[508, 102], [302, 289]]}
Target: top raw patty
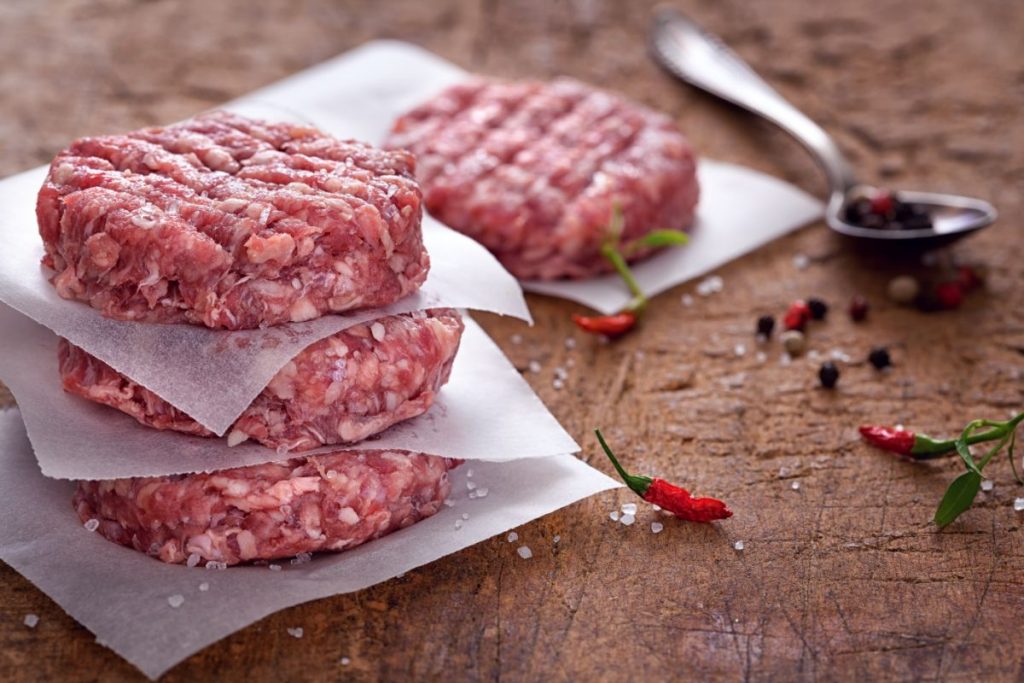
{"points": [[231, 223], [533, 170]]}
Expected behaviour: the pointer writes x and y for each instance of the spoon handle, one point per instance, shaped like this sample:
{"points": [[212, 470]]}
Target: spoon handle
{"points": [[701, 59]]}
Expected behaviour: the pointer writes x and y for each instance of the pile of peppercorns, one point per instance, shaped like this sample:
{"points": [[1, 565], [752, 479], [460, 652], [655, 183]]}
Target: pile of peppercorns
{"points": [[795, 322], [882, 210]]}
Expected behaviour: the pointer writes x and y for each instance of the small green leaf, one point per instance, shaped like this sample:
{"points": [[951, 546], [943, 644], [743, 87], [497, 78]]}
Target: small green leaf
{"points": [[662, 238], [958, 497]]}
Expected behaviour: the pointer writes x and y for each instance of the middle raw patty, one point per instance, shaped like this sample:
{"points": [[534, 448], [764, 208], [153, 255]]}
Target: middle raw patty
{"points": [[341, 389]]}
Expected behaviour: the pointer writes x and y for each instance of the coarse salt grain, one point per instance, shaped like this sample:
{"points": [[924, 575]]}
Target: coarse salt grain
{"points": [[274, 567], [481, 492], [627, 520], [470, 485], [534, 366], [345, 661], [203, 587], [92, 525], [31, 620], [761, 356], [628, 508], [557, 383], [987, 485], [738, 545], [795, 486], [570, 343], [556, 539], [657, 527], [512, 537], [302, 558], [176, 600], [517, 339], [710, 285], [801, 261], [614, 515], [524, 552], [1018, 504], [458, 524], [740, 350], [656, 508], [687, 300], [469, 473], [192, 560], [465, 515], [214, 564], [296, 632]]}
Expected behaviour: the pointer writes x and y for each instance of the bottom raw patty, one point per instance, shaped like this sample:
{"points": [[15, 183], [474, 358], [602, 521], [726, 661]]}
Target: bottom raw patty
{"points": [[341, 389], [264, 512]]}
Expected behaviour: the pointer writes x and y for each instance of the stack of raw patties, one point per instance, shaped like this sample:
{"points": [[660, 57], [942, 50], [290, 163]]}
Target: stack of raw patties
{"points": [[236, 224]]}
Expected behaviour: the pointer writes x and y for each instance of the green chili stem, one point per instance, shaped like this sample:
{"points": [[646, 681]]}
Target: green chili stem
{"points": [[610, 252], [638, 484]]}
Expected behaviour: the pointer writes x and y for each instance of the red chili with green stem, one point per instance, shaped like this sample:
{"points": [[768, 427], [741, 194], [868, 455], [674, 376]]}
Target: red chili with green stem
{"points": [[962, 491], [668, 497]]}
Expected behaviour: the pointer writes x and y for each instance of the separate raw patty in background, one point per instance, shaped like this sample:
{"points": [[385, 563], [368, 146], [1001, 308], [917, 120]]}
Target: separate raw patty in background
{"points": [[533, 170], [231, 223], [303, 505], [341, 389]]}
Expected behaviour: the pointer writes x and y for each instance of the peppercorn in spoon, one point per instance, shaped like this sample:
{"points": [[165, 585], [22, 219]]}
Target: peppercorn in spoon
{"points": [[921, 220]]}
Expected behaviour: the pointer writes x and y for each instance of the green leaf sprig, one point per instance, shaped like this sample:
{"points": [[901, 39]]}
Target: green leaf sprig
{"points": [[964, 489], [615, 255]]}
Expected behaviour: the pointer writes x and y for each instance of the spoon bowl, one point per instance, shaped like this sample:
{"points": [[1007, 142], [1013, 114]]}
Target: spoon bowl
{"points": [[701, 59], [953, 217]]}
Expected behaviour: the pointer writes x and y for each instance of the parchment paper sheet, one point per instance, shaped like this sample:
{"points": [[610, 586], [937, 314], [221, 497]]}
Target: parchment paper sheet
{"points": [[487, 411], [122, 595]]}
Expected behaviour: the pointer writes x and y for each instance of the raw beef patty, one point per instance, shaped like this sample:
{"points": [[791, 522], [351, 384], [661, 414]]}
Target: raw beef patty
{"points": [[533, 170], [231, 223], [264, 512], [341, 389]]}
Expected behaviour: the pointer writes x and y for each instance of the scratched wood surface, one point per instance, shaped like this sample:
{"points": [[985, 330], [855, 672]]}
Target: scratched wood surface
{"points": [[842, 577]]}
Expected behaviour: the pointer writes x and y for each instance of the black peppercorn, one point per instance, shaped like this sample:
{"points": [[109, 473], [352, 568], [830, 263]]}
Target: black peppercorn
{"points": [[879, 357], [828, 374], [765, 325], [819, 309]]}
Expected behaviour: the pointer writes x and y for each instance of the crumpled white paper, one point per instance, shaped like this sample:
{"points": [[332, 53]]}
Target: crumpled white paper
{"points": [[122, 595], [487, 411], [224, 370], [360, 94]]}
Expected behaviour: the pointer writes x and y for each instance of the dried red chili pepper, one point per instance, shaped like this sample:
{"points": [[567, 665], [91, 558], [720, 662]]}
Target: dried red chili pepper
{"points": [[668, 497], [906, 443], [609, 325]]}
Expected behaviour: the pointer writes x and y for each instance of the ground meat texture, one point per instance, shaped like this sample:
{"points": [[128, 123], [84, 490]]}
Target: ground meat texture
{"points": [[264, 512], [533, 171], [231, 223], [341, 389]]}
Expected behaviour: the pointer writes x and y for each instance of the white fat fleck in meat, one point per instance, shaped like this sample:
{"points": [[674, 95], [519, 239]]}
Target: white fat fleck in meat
{"points": [[220, 160], [247, 549], [233, 204], [300, 187], [348, 515], [62, 173], [303, 310], [236, 437], [378, 331], [144, 219]]}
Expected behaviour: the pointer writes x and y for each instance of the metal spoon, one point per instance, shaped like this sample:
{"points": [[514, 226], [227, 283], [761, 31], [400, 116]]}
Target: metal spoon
{"points": [[701, 59]]}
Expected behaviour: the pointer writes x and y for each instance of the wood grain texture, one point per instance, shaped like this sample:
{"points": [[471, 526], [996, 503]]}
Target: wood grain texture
{"points": [[840, 579]]}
